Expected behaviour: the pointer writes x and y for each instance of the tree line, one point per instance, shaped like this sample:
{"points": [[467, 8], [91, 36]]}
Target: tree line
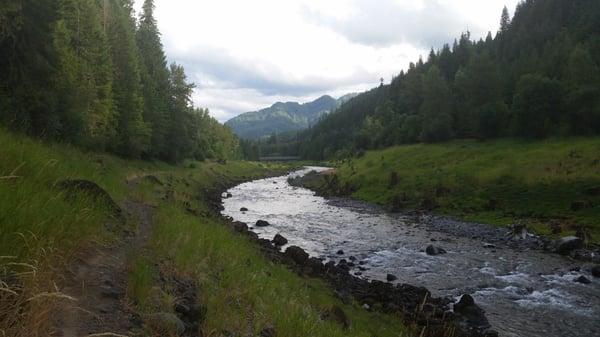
{"points": [[538, 77], [89, 72]]}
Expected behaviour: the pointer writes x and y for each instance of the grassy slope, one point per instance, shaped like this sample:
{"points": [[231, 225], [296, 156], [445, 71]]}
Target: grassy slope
{"points": [[40, 231], [537, 181]]}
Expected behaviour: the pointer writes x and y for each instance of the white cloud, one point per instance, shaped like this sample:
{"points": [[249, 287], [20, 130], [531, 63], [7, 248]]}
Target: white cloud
{"points": [[245, 55]]}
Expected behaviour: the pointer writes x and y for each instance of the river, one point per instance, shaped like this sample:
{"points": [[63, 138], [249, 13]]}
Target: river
{"points": [[525, 293]]}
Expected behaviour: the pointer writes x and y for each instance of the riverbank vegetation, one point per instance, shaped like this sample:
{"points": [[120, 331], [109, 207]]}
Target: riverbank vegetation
{"points": [[552, 185], [44, 229]]}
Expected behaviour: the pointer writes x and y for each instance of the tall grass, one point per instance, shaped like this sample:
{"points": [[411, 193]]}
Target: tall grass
{"points": [[245, 293], [537, 180], [43, 227]]}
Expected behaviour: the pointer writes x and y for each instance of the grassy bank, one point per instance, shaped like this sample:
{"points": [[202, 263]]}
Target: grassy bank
{"points": [[552, 185], [43, 229]]}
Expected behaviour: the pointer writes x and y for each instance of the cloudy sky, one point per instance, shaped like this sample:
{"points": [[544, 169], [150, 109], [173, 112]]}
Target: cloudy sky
{"points": [[245, 55]]}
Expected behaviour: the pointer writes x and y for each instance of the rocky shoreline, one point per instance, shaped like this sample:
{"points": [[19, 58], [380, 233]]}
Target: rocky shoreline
{"points": [[425, 314], [515, 237]]}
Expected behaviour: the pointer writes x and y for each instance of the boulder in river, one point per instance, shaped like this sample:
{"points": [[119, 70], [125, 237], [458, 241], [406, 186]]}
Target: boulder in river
{"points": [[262, 223], [340, 252], [297, 254], [391, 278], [433, 250], [243, 209], [583, 280], [568, 244], [596, 271], [472, 317], [279, 240]]}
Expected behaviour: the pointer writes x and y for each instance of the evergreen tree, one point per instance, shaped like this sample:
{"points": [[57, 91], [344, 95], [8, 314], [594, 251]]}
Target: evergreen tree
{"points": [[27, 61], [178, 141], [132, 131], [479, 91], [437, 107], [84, 80], [155, 80], [504, 21], [537, 106]]}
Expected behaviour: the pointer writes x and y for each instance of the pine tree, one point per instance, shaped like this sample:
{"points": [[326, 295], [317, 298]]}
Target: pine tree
{"points": [[504, 21], [27, 61], [155, 79], [179, 143], [83, 81], [437, 107], [132, 132]]}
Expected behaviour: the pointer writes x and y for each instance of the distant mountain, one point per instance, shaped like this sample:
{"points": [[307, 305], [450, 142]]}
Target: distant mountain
{"points": [[284, 117]]}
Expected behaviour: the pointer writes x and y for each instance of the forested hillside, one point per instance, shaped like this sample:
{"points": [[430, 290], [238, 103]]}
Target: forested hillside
{"points": [[89, 73], [538, 77], [281, 118]]}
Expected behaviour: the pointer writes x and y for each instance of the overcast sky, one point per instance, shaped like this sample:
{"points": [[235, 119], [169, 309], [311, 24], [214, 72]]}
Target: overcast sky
{"points": [[245, 55]]}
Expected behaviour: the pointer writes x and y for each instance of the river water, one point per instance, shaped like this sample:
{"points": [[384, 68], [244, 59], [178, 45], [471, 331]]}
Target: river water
{"points": [[524, 293]]}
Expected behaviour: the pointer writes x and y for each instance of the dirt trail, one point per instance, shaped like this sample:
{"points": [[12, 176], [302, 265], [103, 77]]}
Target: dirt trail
{"points": [[98, 280]]}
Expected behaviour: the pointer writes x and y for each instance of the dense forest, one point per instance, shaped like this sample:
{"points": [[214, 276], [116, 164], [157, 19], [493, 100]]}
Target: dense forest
{"points": [[89, 72], [538, 77]]}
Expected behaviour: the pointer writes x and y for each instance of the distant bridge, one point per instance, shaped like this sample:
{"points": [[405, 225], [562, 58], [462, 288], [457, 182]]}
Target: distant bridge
{"points": [[279, 158]]}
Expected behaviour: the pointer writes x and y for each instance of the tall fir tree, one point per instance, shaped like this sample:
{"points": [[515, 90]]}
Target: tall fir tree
{"points": [[84, 79], [155, 80], [178, 139], [504, 20], [133, 136]]}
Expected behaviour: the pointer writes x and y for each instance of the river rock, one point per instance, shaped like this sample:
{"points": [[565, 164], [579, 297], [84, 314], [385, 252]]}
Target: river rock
{"points": [[596, 271], [472, 317], [279, 240], [340, 252], [243, 209], [262, 223], [240, 227], [391, 278], [582, 279], [568, 244], [297, 254], [433, 250], [314, 267]]}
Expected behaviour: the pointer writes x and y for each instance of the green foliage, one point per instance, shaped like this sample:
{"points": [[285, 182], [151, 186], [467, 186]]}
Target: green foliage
{"points": [[538, 77], [88, 73], [436, 108], [537, 106]]}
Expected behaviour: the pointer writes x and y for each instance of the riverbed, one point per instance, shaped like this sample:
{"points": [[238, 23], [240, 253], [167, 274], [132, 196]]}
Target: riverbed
{"points": [[525, 292]]}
